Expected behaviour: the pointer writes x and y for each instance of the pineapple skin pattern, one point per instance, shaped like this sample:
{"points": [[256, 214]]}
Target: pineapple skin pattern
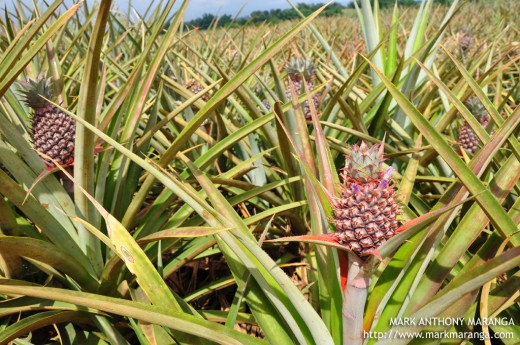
{"points": [[195, 87], [468, 139], [365, 215], [53, 132]]}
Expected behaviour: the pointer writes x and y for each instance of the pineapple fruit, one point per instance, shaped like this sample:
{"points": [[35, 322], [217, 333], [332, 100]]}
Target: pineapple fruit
{"points": [[195, 87], [267, 104], [502, 278], [299, 70], [468, 139], [466, 41], [365, 215], [52, 132], [461, 44]]}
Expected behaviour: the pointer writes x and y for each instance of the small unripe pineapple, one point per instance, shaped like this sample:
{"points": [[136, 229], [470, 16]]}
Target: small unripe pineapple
{"points": [[297, 71], [365, 215], [468, 139], [52, 132]]}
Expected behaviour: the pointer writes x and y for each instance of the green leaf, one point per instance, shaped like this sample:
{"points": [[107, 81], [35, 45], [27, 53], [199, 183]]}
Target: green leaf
{"points": [[13, 60], [238, 79], [303, 321], [464, 284], [40, 320], [85, 139], [182, 233], [49, 254], [155, 314]]}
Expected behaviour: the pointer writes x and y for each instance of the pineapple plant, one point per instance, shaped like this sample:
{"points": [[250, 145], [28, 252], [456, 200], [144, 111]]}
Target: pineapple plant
{"points": [[299, 70], [468, 139], [52, 131], [365, 215]]}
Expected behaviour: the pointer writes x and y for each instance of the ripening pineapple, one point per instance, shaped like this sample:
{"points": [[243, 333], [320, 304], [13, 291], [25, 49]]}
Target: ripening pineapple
{"points": [[461, 44], [468, 139], [466, 40], [297, 71], [52, 132], [195, 87], [365, 215], [502, 278]]}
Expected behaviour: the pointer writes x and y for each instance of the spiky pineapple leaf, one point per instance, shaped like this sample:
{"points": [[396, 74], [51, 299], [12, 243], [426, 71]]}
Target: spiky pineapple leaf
{"points": [[198, 328], [85, 141], [266, 276], [184, 232], [40, 320], [464, 284], [211, 105], [12, 64], [49, 254]]}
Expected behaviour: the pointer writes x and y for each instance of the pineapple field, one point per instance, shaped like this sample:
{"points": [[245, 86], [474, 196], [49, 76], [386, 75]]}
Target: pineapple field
{"points": [[340, 180]]}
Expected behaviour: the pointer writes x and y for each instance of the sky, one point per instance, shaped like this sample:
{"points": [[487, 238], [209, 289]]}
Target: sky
{"points": [[196, 8]]}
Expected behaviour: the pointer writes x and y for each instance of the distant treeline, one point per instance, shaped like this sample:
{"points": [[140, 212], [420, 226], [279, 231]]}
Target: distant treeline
{"points": [[278, 15], [271, 16]]}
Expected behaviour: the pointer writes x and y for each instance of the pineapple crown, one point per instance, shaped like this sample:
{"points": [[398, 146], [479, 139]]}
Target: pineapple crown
{"points": [[366, 163], [300, 67], [477, 109], [465, 34], [34, 89]]}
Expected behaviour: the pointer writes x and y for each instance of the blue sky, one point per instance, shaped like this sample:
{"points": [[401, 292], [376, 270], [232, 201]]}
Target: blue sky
{"points": [[197, 8]]}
